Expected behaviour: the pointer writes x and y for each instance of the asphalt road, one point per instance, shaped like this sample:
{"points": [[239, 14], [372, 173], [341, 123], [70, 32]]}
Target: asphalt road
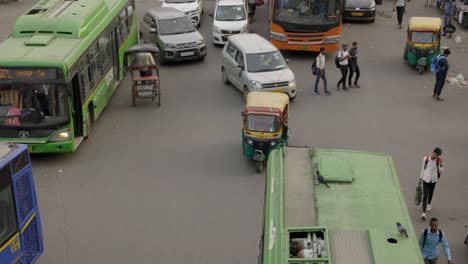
{"points": [[170, 184]]}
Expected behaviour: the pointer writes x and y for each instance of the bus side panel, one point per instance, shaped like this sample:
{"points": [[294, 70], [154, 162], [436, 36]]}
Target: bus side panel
{"points": [[11, 252], [28, 215]]}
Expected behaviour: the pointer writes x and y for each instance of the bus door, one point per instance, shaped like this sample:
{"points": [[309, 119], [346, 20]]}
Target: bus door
{"points": [[115, 53], [77, 107]]}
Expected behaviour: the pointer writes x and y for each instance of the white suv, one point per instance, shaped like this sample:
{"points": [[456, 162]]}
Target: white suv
{"points": [[252, 63], [192, 8], [230, 18]]}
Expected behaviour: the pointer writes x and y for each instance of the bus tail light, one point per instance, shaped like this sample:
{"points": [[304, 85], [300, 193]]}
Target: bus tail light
{"points": [[62, 135]]}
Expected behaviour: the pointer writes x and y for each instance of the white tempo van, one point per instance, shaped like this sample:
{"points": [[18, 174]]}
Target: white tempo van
{"points": [[229, 18], [252, 63]]}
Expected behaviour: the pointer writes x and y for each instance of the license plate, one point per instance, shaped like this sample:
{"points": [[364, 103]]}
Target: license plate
{"points": [[30, 148], [261, 137], [226, 36], [185, 54], [278, 91], [357, 13]]}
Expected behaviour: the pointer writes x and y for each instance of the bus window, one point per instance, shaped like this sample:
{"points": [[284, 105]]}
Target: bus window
{"points": [[8, 224]]}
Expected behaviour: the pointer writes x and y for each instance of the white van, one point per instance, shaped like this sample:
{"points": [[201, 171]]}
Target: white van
{"points": [[252, 63], [230, 17], [192, 8]]}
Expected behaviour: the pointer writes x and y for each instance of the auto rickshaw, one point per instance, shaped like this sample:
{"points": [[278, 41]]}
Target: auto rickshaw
{"points": [[265, 125], [423, 43], [144, 69]]}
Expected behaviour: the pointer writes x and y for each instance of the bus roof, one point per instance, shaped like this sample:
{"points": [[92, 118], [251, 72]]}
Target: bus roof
{"points": [[361, 207], [52, 31]]}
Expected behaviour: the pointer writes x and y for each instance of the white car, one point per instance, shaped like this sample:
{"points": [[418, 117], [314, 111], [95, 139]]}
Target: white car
{"points": [[252, 63], [230, 17], [192, 8]]}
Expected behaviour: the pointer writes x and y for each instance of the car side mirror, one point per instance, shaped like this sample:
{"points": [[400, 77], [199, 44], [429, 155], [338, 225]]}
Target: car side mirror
{"points": [[211, 15], [287, 61]]}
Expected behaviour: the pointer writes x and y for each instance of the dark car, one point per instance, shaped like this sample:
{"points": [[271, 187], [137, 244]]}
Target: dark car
{"points": [[359, 10]]}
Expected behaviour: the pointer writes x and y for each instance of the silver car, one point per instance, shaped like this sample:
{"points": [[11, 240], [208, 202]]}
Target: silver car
{"points": [[174, 34]]}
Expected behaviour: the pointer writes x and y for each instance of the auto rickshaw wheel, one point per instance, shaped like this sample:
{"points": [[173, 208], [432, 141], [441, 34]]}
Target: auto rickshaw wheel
{"points": [[259, 166], [420, 69], [133, 96]]}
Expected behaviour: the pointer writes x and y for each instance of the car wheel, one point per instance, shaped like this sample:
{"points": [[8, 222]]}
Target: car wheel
{"points": [[372, 20], [224, 76]]}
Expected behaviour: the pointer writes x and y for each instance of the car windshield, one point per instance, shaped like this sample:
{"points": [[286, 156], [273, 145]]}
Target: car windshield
{"points": [[174, 26], [32, 104], [179, 1], [263, 123], [307, 12], [264, 62], [424, 37], [230, 13]]}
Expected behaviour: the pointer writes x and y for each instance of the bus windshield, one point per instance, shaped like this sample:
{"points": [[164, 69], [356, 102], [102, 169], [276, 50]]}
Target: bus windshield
{"points": [[32, 104], [7, 210], [263, 123], [307, 12]]}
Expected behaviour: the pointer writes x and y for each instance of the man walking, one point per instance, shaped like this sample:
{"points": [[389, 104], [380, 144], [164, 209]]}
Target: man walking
{"points": [[320, 64], [399, 7], [430, 174], [252, 8], [353, 66], [430, 239], [441, 74], [449, 12], [343, 57]]}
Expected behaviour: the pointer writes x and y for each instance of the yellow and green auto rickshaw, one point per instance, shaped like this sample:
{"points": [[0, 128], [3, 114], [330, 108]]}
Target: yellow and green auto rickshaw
{"points": [[423, 43], [265, 125]]}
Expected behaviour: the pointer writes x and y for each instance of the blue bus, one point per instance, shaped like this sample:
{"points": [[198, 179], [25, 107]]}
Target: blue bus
{"points": [[21, 239]]}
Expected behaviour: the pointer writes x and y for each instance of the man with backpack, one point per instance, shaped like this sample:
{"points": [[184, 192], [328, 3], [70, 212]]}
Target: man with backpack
{"points": [[449, 12], [429, 241], [354, 66], [319, 68], [341, 62], [440, 66], [430, 174]]}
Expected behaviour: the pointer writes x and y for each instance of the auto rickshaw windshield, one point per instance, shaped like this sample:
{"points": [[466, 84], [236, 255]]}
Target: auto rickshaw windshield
{"points": [[263, 123], [424, 37]]}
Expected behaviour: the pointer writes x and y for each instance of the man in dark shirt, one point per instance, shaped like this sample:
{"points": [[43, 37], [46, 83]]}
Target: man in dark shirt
{"points": [[353, 66], [441, 74]]}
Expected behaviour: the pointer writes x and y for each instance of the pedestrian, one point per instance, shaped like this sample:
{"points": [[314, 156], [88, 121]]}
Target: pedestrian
{"points": [[320, 64], [441, 74], [343, 60], [449, 12], [353, 66], [252, 8], [429, 241], [399, 7], [430, 174]]}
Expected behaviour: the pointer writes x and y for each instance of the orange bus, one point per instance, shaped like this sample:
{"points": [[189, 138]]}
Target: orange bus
{"points": [[305, 24]]}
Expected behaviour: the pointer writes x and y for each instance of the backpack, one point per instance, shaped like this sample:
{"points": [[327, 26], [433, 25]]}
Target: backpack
{"points": [[314, 67], [435, 64], [425, 236], [337, 60], [437, 164]]}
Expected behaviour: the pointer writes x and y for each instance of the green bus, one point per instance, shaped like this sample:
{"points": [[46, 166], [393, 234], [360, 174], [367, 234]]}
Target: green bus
{"points": [[352, 219], [59, 69]]}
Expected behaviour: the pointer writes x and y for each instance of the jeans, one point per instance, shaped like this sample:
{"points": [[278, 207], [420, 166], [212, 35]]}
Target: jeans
{"points": [[430, 261], [428, 192], [400, 10], [252, 8], [317, 80], [353, 70], [440, 81], [344, 73]]}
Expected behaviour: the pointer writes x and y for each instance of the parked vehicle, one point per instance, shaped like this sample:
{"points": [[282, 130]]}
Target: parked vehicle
{"points": [[192, 8], [173, 33], [265, 125], [423, 41], [144, 69], [359, 10], [252, 63], [461, 13], [229, 18]]}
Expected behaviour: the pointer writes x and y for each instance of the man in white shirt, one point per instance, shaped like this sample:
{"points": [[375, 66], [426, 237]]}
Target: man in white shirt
{"points": [[320, 64], [343, 60], [430, 174], [399, 7]]}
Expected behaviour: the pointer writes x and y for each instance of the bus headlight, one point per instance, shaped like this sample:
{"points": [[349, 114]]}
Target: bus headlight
{"points": [[62, 135], [278, 36], [330, 40], [256, 85]]}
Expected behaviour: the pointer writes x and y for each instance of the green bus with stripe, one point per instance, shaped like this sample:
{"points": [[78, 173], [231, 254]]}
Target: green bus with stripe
{"points": [[60, 67], [350, 220]]}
